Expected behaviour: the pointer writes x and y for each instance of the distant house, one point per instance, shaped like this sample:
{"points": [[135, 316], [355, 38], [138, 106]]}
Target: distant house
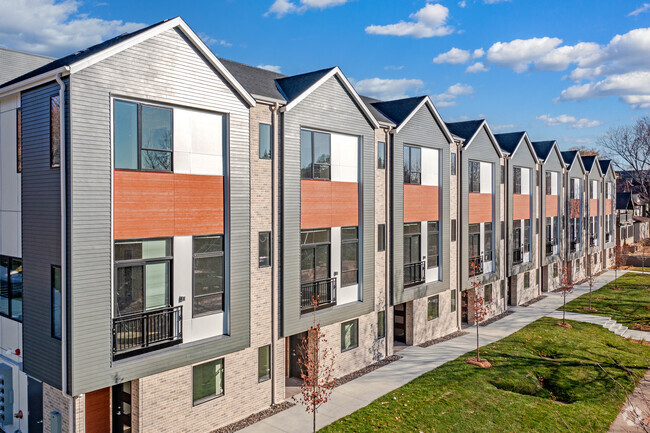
{"points": [[16, 63]]}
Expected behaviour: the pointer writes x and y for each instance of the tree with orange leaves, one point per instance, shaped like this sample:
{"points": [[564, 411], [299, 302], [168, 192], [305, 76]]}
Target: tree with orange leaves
{"points": [[479, 308], [566, 286]]}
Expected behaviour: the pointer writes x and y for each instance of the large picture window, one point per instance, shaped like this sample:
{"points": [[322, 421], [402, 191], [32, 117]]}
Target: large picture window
{"points": [[56, 301], [349, 256], [315, 155], [143, 271], [349, 335], [142, 136], [412, 165], [11, 287], [208, 296], [474, 176], [207, 381], [433, 246], [516, 180]]}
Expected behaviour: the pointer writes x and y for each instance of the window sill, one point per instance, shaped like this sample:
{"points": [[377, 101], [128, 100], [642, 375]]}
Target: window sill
{"points": [[349, 349], [207, 399]]}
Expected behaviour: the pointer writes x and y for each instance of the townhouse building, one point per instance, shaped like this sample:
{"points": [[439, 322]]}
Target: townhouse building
{"points": [[168, 219]]}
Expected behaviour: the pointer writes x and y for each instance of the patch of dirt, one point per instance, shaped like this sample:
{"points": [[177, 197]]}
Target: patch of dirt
{"points": [[641, 327], [443, 339], [481, 362], [644, 342], [252, 419], [564, 325], [589, 309]]}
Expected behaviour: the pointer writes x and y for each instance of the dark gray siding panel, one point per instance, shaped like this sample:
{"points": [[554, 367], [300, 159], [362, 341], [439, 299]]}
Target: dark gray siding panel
{"points": [[166, 69], [41, 227], [422, 130], [480, 149], [330, 108]]}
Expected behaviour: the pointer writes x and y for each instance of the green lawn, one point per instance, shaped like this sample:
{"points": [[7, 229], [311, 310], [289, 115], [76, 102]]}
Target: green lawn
{"points": [[640, 269], [629, 305], [531, 368]]}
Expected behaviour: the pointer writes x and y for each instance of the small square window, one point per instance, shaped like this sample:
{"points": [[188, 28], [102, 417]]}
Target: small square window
{"points": [[453, 163], [453, 300], [487, 293], [264, 363], [349, 335], [453, 230], [207, 381], [265, 141], [433, 307], [381, 324], [381, 155], [265, 249], [381, 237]]}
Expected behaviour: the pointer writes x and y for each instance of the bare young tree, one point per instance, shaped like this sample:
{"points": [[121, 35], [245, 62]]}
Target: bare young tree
{"points": [[566, 287], [629, 147], [479, 308], [316, 363], [591, 277], [619, 261]]}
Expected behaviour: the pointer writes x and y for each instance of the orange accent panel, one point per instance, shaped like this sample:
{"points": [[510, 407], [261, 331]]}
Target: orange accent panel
{"points": [[147, 205], [520, 207], [575, 208], [420, 203], [551, 207], [593, 206], [480, 208], [608, 206], [328, 204], [98, 411]]}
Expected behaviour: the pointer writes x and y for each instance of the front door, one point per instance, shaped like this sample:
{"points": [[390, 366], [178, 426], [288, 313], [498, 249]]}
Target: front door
{"points": [[399, 319], [464, 307], [295, 342], [34, 406], [122, 408]]}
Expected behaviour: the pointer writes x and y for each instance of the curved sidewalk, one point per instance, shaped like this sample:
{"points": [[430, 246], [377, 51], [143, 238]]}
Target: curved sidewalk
{"points": [[416, 361]]}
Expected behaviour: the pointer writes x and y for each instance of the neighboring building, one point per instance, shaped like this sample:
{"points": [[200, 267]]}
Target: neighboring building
{"points": [[16, 63], [594, 206], [168, 218], [625, 219]]}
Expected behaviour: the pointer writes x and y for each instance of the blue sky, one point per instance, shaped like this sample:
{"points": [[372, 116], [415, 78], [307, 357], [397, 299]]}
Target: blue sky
{"points": [[565, 70]]}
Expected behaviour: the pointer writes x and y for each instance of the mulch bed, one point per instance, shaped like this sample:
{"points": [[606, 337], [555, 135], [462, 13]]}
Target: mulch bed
{"points": [[641, 327], [564, 325], [372, 367], [481, 362], [495, 318], [443, 339], [252, 419], [532, 301]]}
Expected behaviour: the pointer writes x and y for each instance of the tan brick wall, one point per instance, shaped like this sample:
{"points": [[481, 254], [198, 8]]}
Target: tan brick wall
{"points": [[526, 294], [446, 323], [55, 401]]}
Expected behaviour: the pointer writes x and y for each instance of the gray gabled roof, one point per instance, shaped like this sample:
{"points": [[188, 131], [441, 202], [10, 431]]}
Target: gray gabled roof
{"points": [[79, 55], [369, 102], [604, 165], [588, 161], [399, 109], [466, 129], [296, 85], [508, 142], [569, 156], [256, 81], [543, 148]]}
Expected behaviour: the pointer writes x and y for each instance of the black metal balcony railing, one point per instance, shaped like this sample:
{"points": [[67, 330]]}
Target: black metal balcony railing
{"points": [[549, 248], [324, 291], [149, 330], [475, 266], [517, 256], [414, 273], [572, 245]]}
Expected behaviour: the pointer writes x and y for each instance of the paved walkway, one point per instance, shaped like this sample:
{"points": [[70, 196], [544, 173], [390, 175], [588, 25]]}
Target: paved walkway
{"points": [[416, 361], [605, 322]]}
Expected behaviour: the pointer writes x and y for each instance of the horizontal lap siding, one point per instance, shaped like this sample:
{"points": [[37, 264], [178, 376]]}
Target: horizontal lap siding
{"points": [[329, 108], [328, 204], [41, 236], [166, 69], [550, 206], [521, 206], [421, 130]]}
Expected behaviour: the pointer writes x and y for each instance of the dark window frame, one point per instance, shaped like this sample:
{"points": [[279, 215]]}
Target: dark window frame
{"points": [[431, 233], [314, 246], [516, 180], [453, 305], [195, 256], [381, 324], [10, 289], [223, 382], [55, 139], [548, 182], [474, 176], [410, 172], [381, 237], [381, 155], [139, 105], [355, 324], [269, 374], [350, 242], [313, 163], [453, 162], [268, 155], [265, 261], [431, 301], [488, 296], [453, 230], [526, 280], [53, 317]]}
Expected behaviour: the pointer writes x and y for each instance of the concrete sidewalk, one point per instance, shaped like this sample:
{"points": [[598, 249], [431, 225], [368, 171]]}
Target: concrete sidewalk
{"points": [[416, 361], [605, 322]]}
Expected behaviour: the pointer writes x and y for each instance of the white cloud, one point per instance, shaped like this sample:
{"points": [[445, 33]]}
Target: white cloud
{"points": [[429, 21], [394, 67], [462, 3], [561, 58], [54, 28], [645, 7], [455, 56], [280, 8], [478, 53], [272, 68], [570, 121], [448, 97], [209, 40], [492, 2], [519, 53], [387, 89], [631, 87], [475, 68]]}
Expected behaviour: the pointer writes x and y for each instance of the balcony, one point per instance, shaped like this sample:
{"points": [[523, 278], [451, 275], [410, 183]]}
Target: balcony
{"points": [[323, 291], [414, 274], [475, 266], [517, 256], [150, 330]]}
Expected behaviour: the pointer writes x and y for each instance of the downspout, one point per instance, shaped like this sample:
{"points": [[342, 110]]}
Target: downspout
{"points": [[387, 195], [541, 226], [506, 229], [275, 236], [64, 250], [459, 199]]}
